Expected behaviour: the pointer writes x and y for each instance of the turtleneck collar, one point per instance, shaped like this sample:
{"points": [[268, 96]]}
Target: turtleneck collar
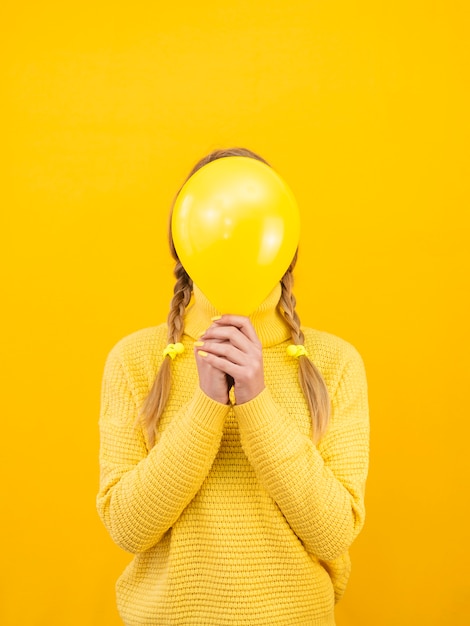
{"points": [[268, 323]]}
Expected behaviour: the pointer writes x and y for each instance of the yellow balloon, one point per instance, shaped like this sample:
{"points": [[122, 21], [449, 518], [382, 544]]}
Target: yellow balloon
{"points": [[236, 228]]}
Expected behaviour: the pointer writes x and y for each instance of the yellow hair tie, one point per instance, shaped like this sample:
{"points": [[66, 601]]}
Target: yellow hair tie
{"points": [[173, 349], [296, 350]]}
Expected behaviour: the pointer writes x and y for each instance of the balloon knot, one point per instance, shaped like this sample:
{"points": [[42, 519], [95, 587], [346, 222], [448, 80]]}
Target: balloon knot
{"points": [[173, 349]]}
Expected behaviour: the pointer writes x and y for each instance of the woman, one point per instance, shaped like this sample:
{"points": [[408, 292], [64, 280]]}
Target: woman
{"points": [[240, 487]]}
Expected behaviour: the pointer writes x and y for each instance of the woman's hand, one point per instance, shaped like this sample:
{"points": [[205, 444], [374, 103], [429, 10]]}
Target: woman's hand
{"points": [[212, 381], [230, 347]]}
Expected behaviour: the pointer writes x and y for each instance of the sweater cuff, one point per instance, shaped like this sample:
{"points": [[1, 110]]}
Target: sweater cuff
{"points": [[270, 436], [258, 412], [209, 413]]}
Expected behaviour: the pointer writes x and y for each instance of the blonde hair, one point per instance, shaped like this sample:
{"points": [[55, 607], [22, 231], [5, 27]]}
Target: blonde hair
{"points": [[311, 381]]}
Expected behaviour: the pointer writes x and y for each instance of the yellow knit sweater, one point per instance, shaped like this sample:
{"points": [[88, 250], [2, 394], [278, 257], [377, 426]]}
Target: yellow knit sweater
{"points": [[235, 517]]}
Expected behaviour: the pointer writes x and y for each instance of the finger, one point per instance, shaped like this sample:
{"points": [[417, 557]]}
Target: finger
{"points": [[228, 334], [220, 363], [226, 351], [241, 322], [198, 344]]}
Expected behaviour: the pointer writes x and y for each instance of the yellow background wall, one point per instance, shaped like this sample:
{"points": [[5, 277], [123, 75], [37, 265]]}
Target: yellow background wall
{"points": [[363, 108]]}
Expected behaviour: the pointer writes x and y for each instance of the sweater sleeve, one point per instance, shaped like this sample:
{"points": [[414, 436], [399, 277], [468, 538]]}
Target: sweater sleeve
{"points": [[142, 493], [320, 490]]}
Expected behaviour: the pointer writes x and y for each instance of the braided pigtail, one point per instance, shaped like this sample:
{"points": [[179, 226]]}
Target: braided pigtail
{"points": [[157, 398], [311, 381]]}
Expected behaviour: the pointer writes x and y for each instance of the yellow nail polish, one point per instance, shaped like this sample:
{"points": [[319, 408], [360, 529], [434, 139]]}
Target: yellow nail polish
{"points": [[202, 353], [216, 317], [198, 343]]}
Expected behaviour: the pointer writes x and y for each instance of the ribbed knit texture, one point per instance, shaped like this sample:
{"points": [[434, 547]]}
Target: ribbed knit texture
{"points": [[235, 517]]}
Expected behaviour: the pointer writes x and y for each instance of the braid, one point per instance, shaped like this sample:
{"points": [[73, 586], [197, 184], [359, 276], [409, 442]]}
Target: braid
{"points": [[288, 303], [156, 400], [311, 381], [181, 297]]}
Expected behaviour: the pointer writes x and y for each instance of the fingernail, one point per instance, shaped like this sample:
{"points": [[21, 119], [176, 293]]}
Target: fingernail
{"points": [[202, 353], [198, 343], [216, 317]]}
